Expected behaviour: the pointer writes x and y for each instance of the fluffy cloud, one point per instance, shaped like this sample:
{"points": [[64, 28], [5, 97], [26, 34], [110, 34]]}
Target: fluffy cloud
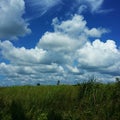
{"points": [[65, 54], [77, 27], [22, 55], [12, 24], [68, 36], [96, 32], [71, 33], [100, 56]]}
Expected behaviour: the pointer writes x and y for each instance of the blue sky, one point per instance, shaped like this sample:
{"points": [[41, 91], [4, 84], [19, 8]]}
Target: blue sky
{"points": [[68, 40]]}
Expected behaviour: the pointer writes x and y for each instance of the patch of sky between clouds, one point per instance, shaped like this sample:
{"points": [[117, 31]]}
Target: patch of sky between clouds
{"points": [[37, 8], [41, 7]]}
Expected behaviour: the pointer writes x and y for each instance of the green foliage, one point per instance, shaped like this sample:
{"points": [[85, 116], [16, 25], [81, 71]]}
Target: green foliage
{"points": [[53, 115], [17, 112], [86, 101]]}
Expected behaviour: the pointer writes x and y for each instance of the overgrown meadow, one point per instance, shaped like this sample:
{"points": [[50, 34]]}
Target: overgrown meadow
{"points": [[86, 101]]}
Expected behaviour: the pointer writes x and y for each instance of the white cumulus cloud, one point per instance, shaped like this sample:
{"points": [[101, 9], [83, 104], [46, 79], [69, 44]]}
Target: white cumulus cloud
{"points": [[101, 56], [65, 54], [12, 23]]}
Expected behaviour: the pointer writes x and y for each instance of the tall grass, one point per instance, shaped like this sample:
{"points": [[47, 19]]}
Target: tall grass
{"points": [[86, 101]]}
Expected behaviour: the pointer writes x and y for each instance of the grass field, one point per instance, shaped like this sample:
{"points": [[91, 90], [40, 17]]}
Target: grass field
{"points": [[87, 101]]}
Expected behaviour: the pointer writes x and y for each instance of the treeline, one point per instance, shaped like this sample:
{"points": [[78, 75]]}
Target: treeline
{"points": [[86, 101]]}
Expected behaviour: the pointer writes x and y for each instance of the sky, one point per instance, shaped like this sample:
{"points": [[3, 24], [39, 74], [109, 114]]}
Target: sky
{"points": [[43, 41]]}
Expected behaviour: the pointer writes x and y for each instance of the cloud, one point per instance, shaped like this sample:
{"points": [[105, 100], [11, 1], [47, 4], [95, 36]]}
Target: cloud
{"points": [[23, 55], [95, 4], [65, 54], [67, 37], [40, 7], [43, 4], [92, 5], [96, 32], [37, 8], [12, 23], [100, 56], [82, 8]]}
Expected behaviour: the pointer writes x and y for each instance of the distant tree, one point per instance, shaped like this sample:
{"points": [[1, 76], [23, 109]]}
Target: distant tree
{"points": [[117, 79], [58, 82], [38, 84]]}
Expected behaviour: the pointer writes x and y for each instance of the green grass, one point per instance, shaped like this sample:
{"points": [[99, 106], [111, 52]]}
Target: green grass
{"points": [[87, 101]]}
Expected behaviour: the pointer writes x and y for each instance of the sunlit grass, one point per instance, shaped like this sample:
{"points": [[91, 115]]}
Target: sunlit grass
{"points": [[87, 101]]}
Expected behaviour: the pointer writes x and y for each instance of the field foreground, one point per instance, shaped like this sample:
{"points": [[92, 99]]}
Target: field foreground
{"points": [[87, 101]]}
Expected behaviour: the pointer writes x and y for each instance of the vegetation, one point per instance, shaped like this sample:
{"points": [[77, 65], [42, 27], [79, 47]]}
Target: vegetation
{"points": [[86, 101]]}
